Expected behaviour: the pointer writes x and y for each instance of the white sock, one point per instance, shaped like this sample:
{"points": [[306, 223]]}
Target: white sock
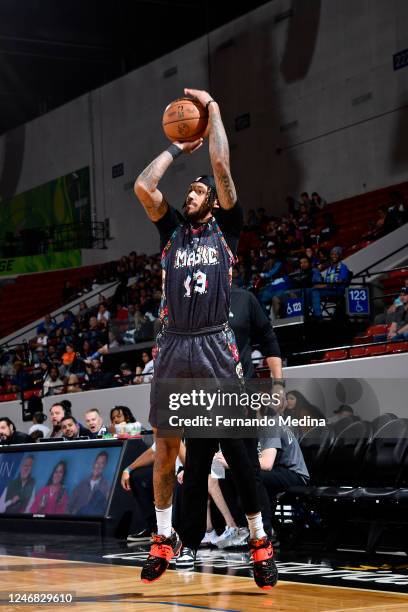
{"points": [[255, 524], [163, 518]]}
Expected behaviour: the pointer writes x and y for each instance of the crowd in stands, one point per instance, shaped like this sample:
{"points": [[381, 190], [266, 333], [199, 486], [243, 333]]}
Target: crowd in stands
{"points": [[283, 258]]}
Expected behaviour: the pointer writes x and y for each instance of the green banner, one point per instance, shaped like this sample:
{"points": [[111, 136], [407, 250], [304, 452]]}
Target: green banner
{"points": [[40, 263], [63, 200]]}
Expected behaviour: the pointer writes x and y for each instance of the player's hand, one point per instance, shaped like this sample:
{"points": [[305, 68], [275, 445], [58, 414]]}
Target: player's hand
{"points": [[180, 477], [190, 147], [203, 97], [125, 481]]}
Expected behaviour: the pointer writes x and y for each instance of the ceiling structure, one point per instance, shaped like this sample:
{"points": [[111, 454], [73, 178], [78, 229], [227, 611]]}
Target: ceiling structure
{"points": [[53, 51]]}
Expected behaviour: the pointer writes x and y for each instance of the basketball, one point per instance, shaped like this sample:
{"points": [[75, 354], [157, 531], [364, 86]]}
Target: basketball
{"points": [[185, 120]]}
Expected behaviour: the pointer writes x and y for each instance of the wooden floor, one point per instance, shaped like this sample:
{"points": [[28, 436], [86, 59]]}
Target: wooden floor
{"points": [[112, 587]]}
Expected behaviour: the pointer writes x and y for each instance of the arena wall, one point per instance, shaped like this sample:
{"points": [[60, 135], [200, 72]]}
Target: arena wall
{"points": [[324, 107]]}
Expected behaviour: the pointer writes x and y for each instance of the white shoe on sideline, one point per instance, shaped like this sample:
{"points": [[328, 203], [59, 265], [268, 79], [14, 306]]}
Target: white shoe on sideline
{"points": [[227, 537], [210, 538]]}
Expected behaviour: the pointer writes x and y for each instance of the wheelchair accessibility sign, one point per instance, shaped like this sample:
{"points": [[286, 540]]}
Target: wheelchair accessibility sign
{"points": [[358, 301]]}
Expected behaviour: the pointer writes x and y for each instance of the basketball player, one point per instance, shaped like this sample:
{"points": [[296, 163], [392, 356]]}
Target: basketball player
{"points": [[196, 341]]}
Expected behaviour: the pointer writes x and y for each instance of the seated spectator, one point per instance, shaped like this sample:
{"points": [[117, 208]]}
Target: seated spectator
{"points": [[317, 201], [305, 201], [53, 498], [282, 463], [297, 407], [126, 375], [47, 326], [73, 384], [57, 413], [305, 278], [329, 228], [103, 314], [340, 413], [21, 380], [72, 430], [146, 373], [67, 321], [9, 433], [68, 357], [38, 420], [94, 422], [387, 316], [97, 379], [42, 339], [336, 277], [399, 327], [90, 496], [53, 384], [121, 414]]}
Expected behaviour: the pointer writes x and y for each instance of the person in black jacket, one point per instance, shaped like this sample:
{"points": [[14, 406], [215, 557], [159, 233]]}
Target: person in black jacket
{"points": [[9, 434]]}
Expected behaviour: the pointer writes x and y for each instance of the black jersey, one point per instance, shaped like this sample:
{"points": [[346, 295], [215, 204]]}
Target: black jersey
{"points": [[197, 262]]}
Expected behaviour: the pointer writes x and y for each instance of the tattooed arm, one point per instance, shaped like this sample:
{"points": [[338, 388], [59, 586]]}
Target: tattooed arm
{"points": [[219, 150], [145, 187]]}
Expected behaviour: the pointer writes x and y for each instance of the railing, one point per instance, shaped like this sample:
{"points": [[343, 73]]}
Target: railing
{"points": [[66, 237]]}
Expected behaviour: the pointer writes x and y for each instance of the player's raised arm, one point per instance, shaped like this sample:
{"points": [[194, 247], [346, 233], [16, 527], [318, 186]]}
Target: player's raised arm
{"points": [[145, 187], [219, 149]]}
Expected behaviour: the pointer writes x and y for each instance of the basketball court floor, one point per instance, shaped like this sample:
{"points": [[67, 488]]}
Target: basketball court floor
{"points": [[104, 575]]}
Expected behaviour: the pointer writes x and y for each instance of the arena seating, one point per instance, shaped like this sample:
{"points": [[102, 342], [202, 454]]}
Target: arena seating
{"points": [[361, 209], [33, 295], [359, 473]]}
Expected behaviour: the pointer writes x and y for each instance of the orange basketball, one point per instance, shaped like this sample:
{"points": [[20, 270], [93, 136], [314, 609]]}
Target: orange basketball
{"points": [[185, 120]]}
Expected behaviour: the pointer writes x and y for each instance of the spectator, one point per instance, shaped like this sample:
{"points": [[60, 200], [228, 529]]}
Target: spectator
{"points": [[318, 201], [121, 414], [399, 327], [72, 430], [329, 229], [68, 292], [53, 384], [94, 422], [68, 358], [305, 278], [67, 321], [146, 374], [53, 498], [38, 420], [21, 380], [91, 495], [336, 277], [97, 379], [47, 326], [305, 201], [73, 384], [297, 407], [342, 411], [126, 375], [103, 315], [57, 413], [9, 434], [282, 463]]}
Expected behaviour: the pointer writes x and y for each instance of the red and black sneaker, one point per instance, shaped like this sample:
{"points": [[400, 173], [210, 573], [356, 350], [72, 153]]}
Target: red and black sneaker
{"points": [[265, 570], [161, 553]]}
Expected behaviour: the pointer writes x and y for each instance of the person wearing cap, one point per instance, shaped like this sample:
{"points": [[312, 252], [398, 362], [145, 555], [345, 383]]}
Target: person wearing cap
{"points": [[342, 411], [198, 252], [399, 327]]}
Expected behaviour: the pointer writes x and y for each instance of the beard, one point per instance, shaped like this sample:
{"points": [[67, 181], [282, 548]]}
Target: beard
{"points": [[196, 216]]}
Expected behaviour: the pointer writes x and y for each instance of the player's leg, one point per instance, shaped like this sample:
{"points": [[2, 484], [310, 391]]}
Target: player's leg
{"points": [[165, 544], [260, 545]]}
